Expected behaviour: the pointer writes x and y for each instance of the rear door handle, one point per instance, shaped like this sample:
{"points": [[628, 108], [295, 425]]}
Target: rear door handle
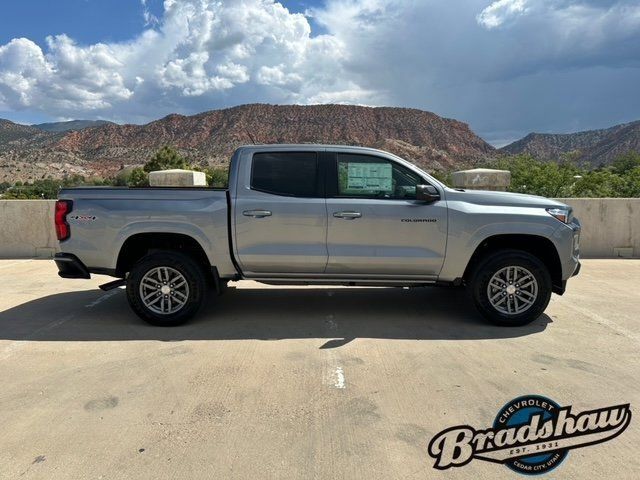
{"points": [[347, 215], [257, 213]]}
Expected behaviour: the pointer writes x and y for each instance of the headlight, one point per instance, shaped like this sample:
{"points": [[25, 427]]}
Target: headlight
{"points": [[561, 213]]}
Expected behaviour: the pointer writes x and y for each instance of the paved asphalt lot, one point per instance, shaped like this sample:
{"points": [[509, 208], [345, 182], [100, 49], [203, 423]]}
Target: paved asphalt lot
{"points": [[298, 383]]}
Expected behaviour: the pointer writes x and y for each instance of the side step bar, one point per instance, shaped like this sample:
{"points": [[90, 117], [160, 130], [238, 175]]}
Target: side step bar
{"points": [[115, 284]]}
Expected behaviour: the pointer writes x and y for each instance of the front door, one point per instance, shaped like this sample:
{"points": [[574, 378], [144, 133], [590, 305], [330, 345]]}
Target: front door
{"points": [[281, 216], [376, 227]]}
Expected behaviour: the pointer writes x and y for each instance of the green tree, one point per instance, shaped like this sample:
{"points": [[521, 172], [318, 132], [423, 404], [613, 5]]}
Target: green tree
{"points": [[15, 194], [138, 178], [599, 183], [36, 190], [625, 163], [166, 158], [217, 177], [442, 175], [631, 187], [528, 175]]}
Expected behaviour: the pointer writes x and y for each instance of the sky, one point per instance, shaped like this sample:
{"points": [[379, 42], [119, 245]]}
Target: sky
{"points": [[505, 67]]}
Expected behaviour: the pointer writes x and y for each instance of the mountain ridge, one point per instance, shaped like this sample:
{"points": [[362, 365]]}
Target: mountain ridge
{"points": [[57, 127], [10, 131], [424, 138], [432, 142], [590, 147]]}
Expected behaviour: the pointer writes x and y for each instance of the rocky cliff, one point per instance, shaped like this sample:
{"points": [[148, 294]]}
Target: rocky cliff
{"points": [[592, 148], [422, 137]]}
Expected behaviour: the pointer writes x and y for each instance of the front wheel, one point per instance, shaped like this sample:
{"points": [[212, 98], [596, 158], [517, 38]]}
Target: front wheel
{"points": [[511, 287], [166, 288]]}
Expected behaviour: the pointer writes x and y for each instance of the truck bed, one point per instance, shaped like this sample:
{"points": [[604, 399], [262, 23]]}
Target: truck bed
{"points": [[102, 219]]}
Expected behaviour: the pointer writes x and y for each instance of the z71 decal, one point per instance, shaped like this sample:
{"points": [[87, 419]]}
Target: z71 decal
{"points": [[82, 218]]}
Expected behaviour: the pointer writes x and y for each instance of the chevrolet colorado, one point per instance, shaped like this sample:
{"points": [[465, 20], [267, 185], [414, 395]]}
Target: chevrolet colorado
{"points": [[316, 214]]}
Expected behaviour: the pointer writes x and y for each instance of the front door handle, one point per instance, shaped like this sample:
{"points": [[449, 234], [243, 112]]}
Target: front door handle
{"points": [[347, 215], [257, 213]]}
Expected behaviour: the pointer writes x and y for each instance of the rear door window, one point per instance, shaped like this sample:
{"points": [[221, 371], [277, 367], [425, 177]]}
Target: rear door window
{"points": [[293, 174]]}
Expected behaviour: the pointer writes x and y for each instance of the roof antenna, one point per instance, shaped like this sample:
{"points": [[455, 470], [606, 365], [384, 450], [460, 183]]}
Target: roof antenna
{"points": [[250, 136]]}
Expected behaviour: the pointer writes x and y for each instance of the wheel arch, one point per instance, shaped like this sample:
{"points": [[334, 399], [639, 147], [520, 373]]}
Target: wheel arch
{"points": [[138, 245], [536, 245]]}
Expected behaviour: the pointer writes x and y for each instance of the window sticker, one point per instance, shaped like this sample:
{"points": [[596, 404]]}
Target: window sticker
{"points": [[368, 178]]}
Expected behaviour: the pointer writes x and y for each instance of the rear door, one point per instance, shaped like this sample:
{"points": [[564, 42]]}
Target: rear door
{"points": [[376, 227], [280, 214]]}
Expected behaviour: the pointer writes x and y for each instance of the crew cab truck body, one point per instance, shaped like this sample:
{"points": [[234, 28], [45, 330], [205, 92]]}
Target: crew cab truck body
{"points": [[315, 214]]}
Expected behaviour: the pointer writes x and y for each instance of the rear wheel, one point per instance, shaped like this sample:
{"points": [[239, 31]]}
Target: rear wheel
{"points": [[511, 287], [166, 288]]}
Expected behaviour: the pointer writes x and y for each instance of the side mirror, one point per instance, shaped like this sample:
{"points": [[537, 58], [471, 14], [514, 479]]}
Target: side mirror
{"points": [[427, 193]]}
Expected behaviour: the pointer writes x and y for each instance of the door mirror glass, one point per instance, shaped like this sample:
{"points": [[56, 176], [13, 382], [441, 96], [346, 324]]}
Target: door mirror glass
{"points": [[427, 193]]}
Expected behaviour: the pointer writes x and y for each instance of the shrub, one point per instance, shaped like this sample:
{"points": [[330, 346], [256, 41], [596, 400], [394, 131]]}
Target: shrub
{"points": [[166, 158], [565, 179]]}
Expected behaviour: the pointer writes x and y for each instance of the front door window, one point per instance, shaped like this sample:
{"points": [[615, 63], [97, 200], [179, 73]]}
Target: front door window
{"points": [[364, 176]]}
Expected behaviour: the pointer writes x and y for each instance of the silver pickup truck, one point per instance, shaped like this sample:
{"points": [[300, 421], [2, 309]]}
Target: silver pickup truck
{"points": [[316, 214]]}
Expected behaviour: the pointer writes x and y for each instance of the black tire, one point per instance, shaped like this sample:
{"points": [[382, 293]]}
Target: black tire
{"points": [[493, 263], [193, 274]]}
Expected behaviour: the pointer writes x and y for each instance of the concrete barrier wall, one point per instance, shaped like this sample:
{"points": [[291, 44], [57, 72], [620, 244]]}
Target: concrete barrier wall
{"points": [[26, 228], [611, 227]]}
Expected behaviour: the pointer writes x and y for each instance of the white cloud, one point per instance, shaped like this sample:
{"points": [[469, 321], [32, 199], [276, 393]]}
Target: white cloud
{"points": [[499, 12], [503, 65], [276, 75], [149, 18], [506, 67], [204, 49], [354, 95]]}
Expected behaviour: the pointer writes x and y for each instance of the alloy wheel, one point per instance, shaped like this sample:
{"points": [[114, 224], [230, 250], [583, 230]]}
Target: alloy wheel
{"points": [[164, 290], [512, 290]]}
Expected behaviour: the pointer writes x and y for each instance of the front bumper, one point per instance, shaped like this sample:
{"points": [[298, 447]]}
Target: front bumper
{"points": [[560, 289], [567, 241], [577, 270], [70, 266]]}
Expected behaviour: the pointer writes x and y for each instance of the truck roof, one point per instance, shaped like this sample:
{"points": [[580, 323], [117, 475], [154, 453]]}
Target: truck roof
{"points": [[307, 146], [248, 150]]}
